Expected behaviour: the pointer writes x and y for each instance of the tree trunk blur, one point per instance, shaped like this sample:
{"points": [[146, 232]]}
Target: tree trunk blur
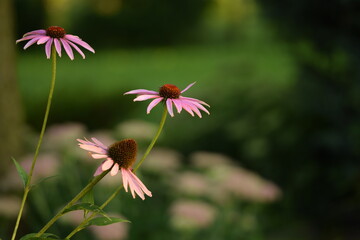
{"points": [[11, 115]]}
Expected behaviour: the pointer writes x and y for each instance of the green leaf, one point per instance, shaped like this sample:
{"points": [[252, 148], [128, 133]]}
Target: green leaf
{"points": [[103, 221], [88, 198], [44, 236], [24, 176], [88, 207]]}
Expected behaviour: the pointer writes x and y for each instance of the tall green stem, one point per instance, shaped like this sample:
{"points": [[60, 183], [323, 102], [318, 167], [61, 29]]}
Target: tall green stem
{"points": [[117, 191], [82, 193], [28, 183]]}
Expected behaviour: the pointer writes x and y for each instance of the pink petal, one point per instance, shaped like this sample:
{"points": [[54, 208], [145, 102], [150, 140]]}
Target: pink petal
{"points": [[80, 42], [177, 104], [145, 97], [153, 104], [134, 187], [169, 107], [142, 92], [140, 183], [48, 48], [198, 105], [195, 100], [36, 32], [31, 42], [43, 40], [98, 156], [67, 48], [57, 46], [100, 144], [125, 178], [187, 108], [98, 170], [77, 49], [92, 148], [107, 164], [115, 169], [193, 107], [189, 86], [27, 38]]}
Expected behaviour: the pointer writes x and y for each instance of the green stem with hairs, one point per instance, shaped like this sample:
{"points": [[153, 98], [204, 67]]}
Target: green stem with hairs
{"points": [[117, 191], [28, 183], [82, 193]]}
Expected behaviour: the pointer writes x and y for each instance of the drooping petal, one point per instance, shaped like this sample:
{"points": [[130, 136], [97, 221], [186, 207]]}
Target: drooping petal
{"points": [[98, 170], [114, 169], [195, 100], [142, 92], [177, 104], [31, 42], [107, 164], [43, 40], [189, 86], [169, 107], [187, 108], [201, 107], [153, 104], [67, 48], [135, 187], [141, 184], [57, 46], [145, 97], [80, 42], [77, 49], [125, 178], [36, 32], [48, 47], [193, 108]]}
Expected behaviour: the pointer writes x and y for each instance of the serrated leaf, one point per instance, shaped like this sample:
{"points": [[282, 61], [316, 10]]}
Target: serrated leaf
{"points": [[24, 176], [88, 207], [103, 221], [44, 236]]}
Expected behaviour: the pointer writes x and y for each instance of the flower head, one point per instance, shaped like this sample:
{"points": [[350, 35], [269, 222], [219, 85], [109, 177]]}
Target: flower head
{"points": [[171, 94], [57, 36], [119, 156]]}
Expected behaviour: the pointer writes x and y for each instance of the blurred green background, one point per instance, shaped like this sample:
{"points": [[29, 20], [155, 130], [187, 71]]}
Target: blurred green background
{"points": [[278, 158]]}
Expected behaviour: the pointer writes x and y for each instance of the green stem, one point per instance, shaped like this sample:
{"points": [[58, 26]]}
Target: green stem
{"points": [[117, 191], [85, 190], [28, 183]]}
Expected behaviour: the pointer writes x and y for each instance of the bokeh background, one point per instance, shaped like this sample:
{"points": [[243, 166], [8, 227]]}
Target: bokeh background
{"points": [[278, 158]]}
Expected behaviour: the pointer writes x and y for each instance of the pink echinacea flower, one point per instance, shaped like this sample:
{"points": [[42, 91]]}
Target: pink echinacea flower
{"points": [[57, 36], [171, 94], [119, 156]]}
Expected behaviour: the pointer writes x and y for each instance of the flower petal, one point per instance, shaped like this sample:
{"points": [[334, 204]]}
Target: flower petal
{"points": [[57, 46], [67, 48], [141, 184], [189, 86], [98, 170], [107, 164], [43, 40], [153, 104], [48, 48], [195, 100], [77, 49], [187, 108], [80, 42], [142, 92], [100, 144], [169, 107], [36, 32], [92, 148], [145, 97], [27, 38], [31, 42], [99, 156], [177, 104], [114, 169], [125, 178]]}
